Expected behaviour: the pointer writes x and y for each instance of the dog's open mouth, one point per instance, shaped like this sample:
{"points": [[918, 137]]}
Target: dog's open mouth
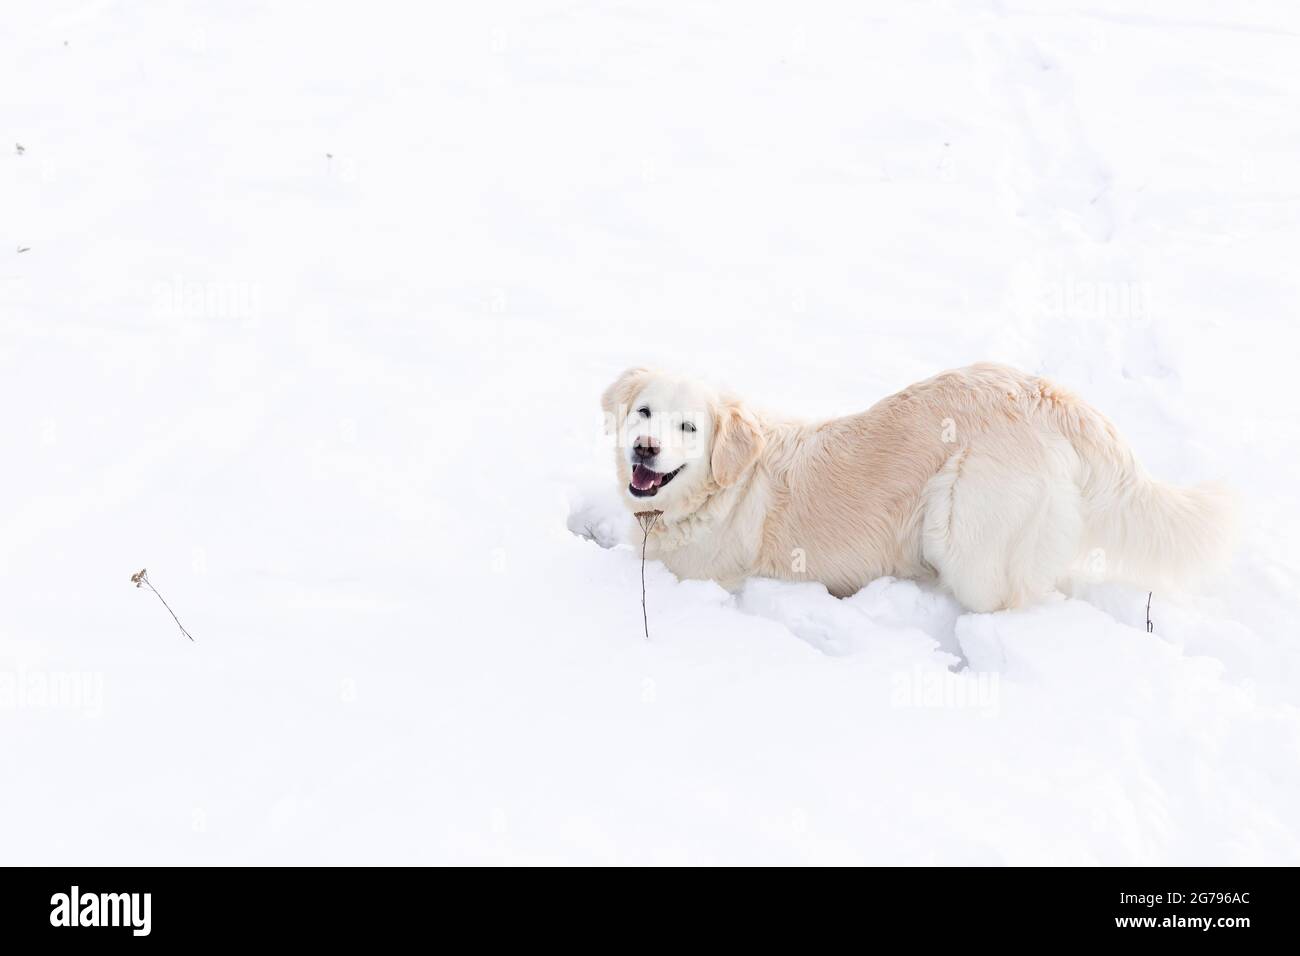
{"points": [[646, 483]]}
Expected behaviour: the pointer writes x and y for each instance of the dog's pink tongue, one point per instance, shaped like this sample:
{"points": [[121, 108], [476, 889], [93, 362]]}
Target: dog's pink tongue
{"points": [[643, 479]]}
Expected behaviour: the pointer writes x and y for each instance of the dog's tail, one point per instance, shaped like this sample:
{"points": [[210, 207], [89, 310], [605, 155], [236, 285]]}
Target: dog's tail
{"points": [[1147, 532]]}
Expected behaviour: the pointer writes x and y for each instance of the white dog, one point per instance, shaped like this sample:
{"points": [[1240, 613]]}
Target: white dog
{"points": [[997, 483]]}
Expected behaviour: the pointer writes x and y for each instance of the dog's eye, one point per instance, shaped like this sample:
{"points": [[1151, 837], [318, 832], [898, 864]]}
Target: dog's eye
{"points": [[643, 411], [687, 427]]}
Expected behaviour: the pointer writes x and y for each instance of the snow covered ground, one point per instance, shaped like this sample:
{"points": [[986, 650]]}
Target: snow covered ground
{"points": [[307, 307]]}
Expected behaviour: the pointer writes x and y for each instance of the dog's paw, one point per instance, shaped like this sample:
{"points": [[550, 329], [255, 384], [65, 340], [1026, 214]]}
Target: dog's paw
{"points": [[598, 516]]}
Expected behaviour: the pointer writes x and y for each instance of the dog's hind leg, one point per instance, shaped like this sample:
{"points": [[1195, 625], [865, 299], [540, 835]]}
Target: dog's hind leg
{"points": [[1003, 521]]}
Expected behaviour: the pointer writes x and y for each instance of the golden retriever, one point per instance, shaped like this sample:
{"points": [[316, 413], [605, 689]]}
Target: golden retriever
{"points": [[999, 484]]}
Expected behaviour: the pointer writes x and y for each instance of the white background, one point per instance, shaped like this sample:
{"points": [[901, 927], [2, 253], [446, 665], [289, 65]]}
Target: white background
{"points": [[315, 307]]}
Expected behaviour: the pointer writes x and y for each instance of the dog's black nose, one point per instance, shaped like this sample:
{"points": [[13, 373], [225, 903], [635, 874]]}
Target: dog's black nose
{"points": [[644, 448]]}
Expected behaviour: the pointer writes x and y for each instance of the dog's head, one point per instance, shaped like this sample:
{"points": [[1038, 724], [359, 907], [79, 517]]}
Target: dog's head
{"points": [[673, 437]]}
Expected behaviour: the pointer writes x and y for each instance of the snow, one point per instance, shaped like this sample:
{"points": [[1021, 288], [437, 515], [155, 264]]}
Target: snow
{"points": [[315, 309]]}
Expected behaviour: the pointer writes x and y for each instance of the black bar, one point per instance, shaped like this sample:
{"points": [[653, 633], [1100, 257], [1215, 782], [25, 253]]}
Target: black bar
{"points": [[1228, 907]]}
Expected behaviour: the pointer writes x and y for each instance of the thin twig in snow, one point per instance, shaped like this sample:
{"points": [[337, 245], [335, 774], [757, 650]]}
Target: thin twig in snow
{"points": [[647, 520], [141, 579]]}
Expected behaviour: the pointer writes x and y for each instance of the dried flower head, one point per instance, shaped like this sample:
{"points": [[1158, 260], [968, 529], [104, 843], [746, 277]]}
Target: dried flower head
{"points": [[648, 520], [138, 578]]}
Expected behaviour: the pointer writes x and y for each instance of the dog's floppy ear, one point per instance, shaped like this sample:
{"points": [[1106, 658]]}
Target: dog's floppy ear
{"points": [[619, 395], [737, 442]]}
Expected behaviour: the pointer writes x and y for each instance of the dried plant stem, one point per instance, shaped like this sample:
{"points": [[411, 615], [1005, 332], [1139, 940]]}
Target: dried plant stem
{"points": [[647, 521], [645, 619], [1150, 627], [141, 579]]}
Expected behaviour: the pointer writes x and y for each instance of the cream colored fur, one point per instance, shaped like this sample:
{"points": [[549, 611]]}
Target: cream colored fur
{"points": [[997, 483]]}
